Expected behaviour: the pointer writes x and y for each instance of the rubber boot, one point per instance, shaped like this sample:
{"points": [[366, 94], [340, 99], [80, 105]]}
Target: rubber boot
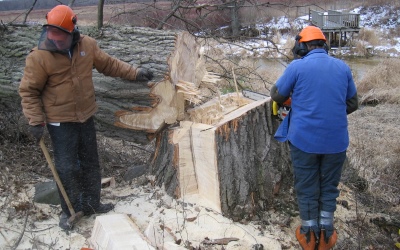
{"points": [[325, 244], [306, 244]]}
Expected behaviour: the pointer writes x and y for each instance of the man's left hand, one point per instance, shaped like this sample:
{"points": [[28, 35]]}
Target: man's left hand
{"points": [[37, 131], [144, 74]]}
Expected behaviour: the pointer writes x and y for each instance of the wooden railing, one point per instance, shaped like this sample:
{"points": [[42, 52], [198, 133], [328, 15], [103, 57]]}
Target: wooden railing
{"points": [[335, 19]]}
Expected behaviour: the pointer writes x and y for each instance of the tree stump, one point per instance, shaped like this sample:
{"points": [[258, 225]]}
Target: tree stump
{"points": [[232, 164]]}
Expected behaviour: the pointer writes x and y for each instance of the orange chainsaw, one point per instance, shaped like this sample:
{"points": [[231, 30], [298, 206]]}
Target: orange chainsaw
{"points": [[279, 110]]}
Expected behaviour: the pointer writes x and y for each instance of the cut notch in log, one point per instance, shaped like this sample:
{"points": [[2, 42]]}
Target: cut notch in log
{"points": [[186, 70]]}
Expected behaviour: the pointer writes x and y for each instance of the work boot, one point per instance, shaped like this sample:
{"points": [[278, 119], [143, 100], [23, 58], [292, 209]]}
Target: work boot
{"points": [[101, 209], [325, 244], [307, 240], [64, 223]]}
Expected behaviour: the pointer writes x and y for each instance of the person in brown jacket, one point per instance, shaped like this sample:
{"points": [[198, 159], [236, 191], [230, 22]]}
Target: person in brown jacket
{"points": [[57, 90]]}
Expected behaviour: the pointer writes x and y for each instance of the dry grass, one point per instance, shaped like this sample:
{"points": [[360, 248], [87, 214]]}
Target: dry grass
{"points": [[368, 3], [374, 131], [369, 36], [381, 84], [365, 39], [375, 148]]}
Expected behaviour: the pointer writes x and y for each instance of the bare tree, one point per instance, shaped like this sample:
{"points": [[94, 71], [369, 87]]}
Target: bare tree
{"points": [[210, 16], [71, 3], [100, 8], [175, 7], [29, 11], [235, 22]]}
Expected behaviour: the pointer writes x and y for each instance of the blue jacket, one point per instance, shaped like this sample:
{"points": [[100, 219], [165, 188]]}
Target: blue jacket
{"points": [[319, 86]]}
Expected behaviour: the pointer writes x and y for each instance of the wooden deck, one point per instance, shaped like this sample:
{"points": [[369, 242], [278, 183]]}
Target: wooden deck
{"points": [[335, 21], [335, 25]]}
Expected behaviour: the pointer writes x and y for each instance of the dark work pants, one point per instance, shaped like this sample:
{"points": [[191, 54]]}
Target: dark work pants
{"points": [[77, 163], [316, 178]]}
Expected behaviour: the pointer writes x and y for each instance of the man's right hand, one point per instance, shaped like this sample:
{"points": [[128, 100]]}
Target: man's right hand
{"points": [[37, 131]]}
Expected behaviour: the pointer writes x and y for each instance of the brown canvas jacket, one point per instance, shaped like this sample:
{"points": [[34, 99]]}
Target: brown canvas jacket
{"points": [[57, 88]]}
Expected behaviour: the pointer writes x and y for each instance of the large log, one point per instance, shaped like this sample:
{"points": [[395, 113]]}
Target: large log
{"points": [[232, 164], [142, 47]]}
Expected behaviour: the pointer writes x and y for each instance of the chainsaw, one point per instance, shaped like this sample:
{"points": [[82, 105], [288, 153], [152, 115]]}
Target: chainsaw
{"points": [[279, 110]]}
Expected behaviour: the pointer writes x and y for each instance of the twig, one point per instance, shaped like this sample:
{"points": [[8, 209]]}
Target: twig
{"points": [[4, 26], [5, 238], [236, 87], [22, 233]]}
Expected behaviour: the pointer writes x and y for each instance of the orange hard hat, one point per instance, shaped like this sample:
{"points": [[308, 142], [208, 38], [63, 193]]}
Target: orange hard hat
{"points": [[311, 33], [62, 17]]}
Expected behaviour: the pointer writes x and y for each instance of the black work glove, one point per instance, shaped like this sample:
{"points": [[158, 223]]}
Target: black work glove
{"points": [[144, 74], [37, 131]]}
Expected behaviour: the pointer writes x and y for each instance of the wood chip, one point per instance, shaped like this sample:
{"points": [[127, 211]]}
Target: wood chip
{"points": [[222, 241]]}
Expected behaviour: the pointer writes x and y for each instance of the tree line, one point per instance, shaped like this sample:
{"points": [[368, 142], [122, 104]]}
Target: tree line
{"points": [[6, 5], [230, 19]]}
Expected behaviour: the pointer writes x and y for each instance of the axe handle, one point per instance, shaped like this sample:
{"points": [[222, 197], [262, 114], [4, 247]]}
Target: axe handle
{"points": [[56, 177]]}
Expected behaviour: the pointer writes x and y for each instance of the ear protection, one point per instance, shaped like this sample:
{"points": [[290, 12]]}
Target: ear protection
{"points": [[74, 19], [300, 49], [76, 35]]}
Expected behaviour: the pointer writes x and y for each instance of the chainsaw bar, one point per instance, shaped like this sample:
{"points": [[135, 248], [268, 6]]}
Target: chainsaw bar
{"points": [[253, 95]]}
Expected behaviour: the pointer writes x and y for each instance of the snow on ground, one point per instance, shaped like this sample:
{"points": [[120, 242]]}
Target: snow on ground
{"points": [[381, 19], [162, 220]]}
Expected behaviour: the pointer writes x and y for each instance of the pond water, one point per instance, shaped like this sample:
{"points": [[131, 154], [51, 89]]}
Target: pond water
{"points": [[358, 65]]}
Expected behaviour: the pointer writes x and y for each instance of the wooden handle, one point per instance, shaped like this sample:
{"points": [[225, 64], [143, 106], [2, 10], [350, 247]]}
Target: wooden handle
{"points": [[56, 177]]}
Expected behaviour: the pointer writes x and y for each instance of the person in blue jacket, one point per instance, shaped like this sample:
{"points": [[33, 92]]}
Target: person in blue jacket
{"points": [[323, 93]]}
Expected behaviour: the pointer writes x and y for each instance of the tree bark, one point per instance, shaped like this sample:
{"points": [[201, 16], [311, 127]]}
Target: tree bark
{"points": [[100, 13], [235, 23]]}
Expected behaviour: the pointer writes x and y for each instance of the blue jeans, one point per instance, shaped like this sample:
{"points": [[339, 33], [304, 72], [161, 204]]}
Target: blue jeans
{"points": [[77, 163], [316, 178]]}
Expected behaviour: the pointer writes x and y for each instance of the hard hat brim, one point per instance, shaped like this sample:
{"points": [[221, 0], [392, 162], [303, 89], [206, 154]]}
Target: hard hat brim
{"points": [[56, 33]]}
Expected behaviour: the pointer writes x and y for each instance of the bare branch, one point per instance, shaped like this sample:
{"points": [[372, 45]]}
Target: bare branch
{"points": [[172, 13], [71, 3]]}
